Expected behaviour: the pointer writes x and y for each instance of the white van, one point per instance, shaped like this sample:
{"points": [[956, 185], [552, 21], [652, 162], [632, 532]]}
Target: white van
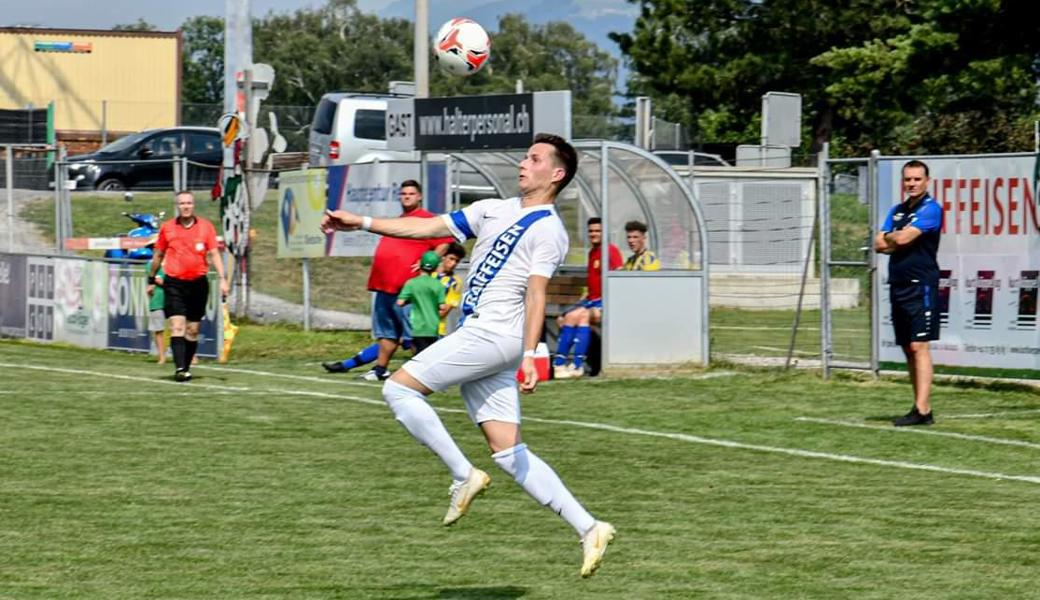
{"points": [[350, 127]]}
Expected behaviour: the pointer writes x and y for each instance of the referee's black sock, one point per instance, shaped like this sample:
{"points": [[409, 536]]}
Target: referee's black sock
{"points": [[191, 346], [179, 346]]}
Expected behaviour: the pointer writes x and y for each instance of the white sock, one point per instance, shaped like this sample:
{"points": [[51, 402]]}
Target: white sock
{"points": [[411, 410], [544, 485]]}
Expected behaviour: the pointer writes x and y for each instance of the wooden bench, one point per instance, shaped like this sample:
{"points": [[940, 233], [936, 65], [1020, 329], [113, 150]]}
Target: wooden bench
{"points": [[565, 289]]}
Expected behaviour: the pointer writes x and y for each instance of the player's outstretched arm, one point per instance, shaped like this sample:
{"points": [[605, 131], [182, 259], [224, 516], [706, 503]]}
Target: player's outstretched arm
{"points": [[400, 227]]}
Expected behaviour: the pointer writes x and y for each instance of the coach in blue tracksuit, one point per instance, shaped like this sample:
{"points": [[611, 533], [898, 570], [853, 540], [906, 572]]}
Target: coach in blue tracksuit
{"points": [[910, 236]]}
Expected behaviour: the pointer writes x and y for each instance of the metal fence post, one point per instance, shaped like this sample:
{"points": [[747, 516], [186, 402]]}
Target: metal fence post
{"points": [[875, 279], [306, 294], [823, 213], [9, 179]]}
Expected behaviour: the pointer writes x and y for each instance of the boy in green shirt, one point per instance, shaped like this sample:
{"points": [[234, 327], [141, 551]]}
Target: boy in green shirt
{"points": [[157, 317], [426, 295]]}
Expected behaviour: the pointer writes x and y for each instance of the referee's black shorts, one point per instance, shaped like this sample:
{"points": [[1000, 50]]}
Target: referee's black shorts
{"points": [[915, 312], [185, 298]]}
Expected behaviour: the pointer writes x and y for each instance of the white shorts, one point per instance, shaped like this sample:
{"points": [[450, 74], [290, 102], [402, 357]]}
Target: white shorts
{"points": [[483, 363]]}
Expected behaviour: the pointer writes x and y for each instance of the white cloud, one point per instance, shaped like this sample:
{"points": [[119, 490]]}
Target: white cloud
{"points": [[590, 9]]}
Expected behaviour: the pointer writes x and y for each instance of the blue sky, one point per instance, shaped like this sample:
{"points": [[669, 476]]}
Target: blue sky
{"points": [[594, 18], [103, 14]]}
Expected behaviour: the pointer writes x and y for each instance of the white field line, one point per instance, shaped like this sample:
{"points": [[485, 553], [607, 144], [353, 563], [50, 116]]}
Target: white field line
{"points": [[949, 434], [123, 377], [805, 352], [605, 427], [782, 328], [1014, 413], [325, 380], [775, 349]]}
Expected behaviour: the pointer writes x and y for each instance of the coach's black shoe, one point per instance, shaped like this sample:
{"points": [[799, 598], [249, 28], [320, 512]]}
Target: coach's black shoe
{"points": [[182, 375], [914, 418], [334, 367]]}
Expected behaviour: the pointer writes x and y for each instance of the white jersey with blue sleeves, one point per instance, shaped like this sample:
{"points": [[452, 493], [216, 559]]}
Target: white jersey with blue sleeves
{"points": [[513, 243]]}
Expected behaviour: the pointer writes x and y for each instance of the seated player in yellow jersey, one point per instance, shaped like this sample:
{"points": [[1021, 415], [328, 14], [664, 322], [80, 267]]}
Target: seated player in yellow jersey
{"points": [[642, 259], [452, 283]]}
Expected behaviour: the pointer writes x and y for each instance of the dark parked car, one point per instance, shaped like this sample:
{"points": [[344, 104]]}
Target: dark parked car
{"points": [[144, 160]]}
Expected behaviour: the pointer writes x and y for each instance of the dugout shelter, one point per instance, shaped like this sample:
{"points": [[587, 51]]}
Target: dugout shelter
{"points": [[651, 317]]}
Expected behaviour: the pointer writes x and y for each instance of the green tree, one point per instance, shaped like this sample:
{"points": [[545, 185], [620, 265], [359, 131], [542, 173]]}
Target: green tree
{"points": [[140, 25], [962, 78], [546, 57], [335, 47], [872, 73], [203, 60]]}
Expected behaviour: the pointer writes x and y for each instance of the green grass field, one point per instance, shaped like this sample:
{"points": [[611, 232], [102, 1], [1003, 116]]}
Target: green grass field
{"points": [[266, 478]]}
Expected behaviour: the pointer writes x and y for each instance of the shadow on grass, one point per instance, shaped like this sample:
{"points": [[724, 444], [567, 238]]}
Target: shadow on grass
{"points": [[882, 418], [992, 386], [508, 592]]}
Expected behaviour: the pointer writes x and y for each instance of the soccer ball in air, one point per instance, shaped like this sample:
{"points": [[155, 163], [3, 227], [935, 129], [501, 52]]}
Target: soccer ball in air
{"points": [[461, 47]]}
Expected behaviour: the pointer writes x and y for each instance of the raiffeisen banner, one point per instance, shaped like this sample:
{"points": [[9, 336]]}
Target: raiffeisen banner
{"points": [[989, 259]]}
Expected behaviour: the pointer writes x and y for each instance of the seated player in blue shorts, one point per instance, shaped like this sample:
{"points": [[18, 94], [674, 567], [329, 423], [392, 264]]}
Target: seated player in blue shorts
{"points": [[575, 322]]}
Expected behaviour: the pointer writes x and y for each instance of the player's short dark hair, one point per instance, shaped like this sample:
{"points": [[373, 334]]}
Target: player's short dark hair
{"points": [[635, 226], [915, 164], [183, 193], [566, 155], [594, 221], [456, 249], [411, 183]]}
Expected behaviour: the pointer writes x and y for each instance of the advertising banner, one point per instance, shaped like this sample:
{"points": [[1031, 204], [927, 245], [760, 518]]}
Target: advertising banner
{"points": [[12, 295], [211, 329], [300, 208], [989, 260], [81, 302], [374, 189], [39, 299], [490, 122], [128, 308]]}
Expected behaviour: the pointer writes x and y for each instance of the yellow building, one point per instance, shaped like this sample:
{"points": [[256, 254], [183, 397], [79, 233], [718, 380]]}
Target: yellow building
{"points": [[119, 81]]}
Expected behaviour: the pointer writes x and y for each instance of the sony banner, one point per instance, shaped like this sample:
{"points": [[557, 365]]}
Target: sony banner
{"points": [[128, 308], [374, 189], [12, 295], [491, 122], [989, 260]]}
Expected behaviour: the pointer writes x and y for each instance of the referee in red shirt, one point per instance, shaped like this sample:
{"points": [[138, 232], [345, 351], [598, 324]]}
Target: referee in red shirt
{"points": [[185, 242]]}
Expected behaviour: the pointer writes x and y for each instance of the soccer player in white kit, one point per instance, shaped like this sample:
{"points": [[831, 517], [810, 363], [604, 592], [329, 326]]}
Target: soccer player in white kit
{"points": [[520, 243]]}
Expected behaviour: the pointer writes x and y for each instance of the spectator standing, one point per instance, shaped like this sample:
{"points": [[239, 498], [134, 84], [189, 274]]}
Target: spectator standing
{"points": [[394, 262], [910, 236], [157, 317], [425, 294]]}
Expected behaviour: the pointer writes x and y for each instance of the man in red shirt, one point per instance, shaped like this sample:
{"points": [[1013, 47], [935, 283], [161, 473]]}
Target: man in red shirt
{"points": [[575, 323], [184, 245], [394, 262]]}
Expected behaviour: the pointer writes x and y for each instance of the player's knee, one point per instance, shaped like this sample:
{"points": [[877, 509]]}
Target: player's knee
{"points": [[918, 347]]}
